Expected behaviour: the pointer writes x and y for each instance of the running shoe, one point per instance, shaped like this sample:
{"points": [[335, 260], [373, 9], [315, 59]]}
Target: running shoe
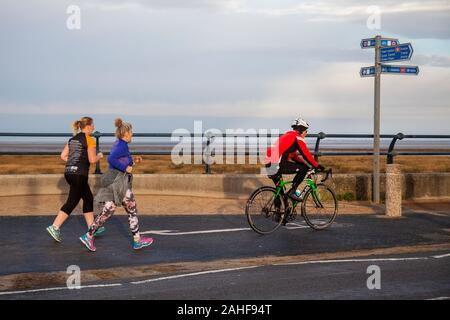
{"points": [[144, 242], [54, 232], [99, 231], [89, 243]]}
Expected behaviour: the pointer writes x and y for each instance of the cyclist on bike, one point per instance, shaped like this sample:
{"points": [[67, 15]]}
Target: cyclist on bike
{"points": [[290, 155]]}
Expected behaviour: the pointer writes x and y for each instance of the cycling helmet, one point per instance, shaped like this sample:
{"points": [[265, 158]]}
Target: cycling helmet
{"points": [[299, 122]]}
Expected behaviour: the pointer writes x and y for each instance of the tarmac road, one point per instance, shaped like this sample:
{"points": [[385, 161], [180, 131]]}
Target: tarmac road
{"points": [[218, 257], [418, 277]]}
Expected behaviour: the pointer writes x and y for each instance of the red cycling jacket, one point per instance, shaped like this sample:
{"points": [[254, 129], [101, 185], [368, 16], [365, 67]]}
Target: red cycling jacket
{"points": [[292, 147]]}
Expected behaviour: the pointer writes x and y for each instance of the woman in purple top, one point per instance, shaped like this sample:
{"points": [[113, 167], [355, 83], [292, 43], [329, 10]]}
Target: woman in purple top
{"points": [[117, 189], [120, 156]]}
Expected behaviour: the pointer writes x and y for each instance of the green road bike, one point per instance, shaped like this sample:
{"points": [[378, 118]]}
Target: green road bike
{"points": [[268, 207]]}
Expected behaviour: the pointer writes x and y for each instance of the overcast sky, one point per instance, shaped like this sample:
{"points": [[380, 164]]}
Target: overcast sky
{"points": [[237, 63]]}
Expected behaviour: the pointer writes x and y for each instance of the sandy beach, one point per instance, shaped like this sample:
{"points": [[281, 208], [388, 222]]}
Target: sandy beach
{"points": [[30, 164]]}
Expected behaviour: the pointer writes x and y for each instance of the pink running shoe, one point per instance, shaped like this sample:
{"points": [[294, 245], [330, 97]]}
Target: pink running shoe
{"points": [[144, 242], [89, 243]]}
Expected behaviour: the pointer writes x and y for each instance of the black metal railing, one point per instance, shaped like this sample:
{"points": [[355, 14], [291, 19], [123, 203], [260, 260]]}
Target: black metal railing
{"points": [[391, 153], [208, 139]]}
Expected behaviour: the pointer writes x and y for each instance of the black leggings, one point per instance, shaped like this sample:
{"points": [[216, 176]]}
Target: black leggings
{"points": [[287, 167], [79, 189]]}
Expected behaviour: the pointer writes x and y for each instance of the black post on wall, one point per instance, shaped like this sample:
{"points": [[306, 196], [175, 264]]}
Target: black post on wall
{"points": [[320, 136], [208, 154], [97, 136], [391, 153]]}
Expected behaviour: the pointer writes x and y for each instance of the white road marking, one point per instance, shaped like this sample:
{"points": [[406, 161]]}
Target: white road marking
{"points": [[232, 269], [350, 260], [442, 256], [289, 226], [60, 288], [177, 233], [295, 225], [31, 291], [101, 285], [193, 274]]}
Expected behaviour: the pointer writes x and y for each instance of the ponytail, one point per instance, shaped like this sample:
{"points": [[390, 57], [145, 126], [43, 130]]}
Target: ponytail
{"points": [[122, 128], [76, 126], [81, 124]]}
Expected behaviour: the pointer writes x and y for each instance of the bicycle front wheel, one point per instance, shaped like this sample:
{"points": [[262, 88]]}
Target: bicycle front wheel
{"points": [[265, 210], [319, 207]]}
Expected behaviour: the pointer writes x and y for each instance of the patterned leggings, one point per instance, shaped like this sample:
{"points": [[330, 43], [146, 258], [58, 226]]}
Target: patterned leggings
{"points": [[129, 204]]}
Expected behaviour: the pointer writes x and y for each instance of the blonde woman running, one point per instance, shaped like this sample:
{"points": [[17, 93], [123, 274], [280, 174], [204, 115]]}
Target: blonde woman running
{"points": [[78, 154]]}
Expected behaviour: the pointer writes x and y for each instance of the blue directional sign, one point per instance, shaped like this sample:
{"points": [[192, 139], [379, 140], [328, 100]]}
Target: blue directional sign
{"points": [[411, 70], [385, 68], [397, 53], [367, 71], [385, 42]]}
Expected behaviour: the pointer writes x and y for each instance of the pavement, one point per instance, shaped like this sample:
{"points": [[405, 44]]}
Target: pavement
{"points": [[39, 205], [217, 256]]}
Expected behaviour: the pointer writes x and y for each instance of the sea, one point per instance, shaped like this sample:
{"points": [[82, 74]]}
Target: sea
{"points": [[157, 145]]}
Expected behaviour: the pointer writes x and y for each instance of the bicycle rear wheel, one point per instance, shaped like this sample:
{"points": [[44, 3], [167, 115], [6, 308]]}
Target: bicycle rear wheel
{"points": [[265, 210], [319, 209]]}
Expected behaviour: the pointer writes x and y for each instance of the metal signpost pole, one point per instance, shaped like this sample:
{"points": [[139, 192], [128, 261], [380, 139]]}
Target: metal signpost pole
{"points": [[386, 50], [376, 124]]}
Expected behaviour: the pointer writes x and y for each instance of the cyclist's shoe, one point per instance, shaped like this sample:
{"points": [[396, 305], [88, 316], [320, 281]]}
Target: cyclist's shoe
{"points": [[99, 231], [142, 243], [89, 243], [287, 216], [277, 217], [294, 195], [54, 232]]}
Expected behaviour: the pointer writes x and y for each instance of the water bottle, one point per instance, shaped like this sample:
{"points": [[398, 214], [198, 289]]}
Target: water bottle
{"points": [[297, 194]]}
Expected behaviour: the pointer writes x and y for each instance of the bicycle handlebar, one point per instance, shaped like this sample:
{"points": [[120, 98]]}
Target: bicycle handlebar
{"points": [[328, 172]]}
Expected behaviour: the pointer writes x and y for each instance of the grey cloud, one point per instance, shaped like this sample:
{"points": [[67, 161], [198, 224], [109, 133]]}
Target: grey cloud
{"points": [[432, 60], [157, 4], [197, 61], [430, 25]]}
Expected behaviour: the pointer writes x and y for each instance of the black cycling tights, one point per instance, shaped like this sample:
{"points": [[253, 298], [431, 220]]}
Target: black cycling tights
{"points": [[287, 167], [79, 189]]}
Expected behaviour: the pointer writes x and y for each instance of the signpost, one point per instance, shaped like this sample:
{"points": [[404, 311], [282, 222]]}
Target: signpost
{"points": [[397, 53], [376, 123], [367, 72], [386, 50], [385, 42], [389, 69]]}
